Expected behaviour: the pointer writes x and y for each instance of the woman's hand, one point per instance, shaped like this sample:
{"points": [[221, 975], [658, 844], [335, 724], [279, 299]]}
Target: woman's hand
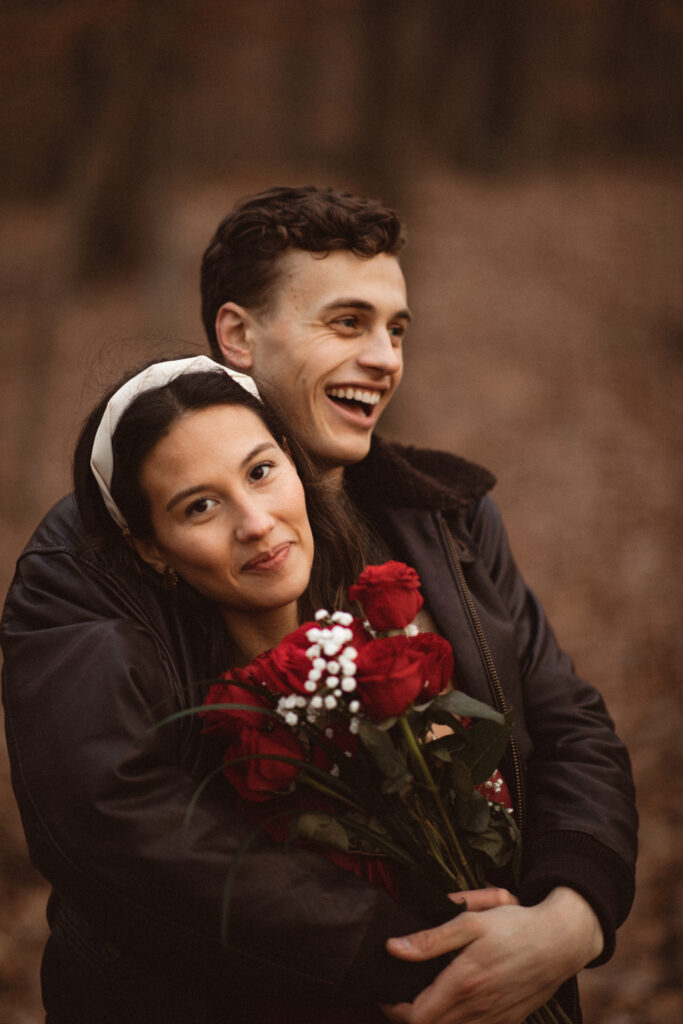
{"points": [[511, 959]]}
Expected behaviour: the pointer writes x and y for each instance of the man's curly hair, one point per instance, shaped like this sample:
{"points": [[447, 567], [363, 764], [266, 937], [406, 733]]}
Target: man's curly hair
{"points": [[241, 261]]}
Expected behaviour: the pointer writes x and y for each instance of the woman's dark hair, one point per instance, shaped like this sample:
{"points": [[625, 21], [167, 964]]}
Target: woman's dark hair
{"points": [[341, 542], [241, 261]]}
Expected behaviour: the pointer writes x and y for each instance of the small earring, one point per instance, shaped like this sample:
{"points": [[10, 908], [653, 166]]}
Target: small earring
{"points": [[170, 578]]}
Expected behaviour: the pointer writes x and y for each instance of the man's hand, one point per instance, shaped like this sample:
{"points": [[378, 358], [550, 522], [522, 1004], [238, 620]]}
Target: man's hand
{"points": [[511, 959]]}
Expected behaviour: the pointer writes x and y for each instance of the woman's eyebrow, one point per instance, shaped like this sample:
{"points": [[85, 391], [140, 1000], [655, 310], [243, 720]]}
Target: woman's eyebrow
{"points": [[400, 314], [188, 491], [263, 447]]}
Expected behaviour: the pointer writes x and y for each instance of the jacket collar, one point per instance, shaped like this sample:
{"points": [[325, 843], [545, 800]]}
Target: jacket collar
{"points": [[395, 474]]}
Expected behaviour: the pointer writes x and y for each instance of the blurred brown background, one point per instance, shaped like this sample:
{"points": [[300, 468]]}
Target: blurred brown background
{"points": [[534, 147]]}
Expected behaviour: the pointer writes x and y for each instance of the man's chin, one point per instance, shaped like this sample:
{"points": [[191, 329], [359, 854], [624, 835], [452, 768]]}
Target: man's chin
{"points": [[334, 459]]}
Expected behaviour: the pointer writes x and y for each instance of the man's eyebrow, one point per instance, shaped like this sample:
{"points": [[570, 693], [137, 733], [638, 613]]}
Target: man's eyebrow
{"points": [[400, 314], [196, 488]]}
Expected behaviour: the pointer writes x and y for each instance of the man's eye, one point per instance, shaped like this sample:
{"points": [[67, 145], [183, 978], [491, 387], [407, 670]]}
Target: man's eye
{"points": [[397, 331], [261, 471], [200, 506], [347, 321]]}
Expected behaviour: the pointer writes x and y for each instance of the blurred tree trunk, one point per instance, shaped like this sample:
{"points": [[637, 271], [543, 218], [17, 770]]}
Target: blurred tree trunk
{"points": [[476, 81], [125, 84]]}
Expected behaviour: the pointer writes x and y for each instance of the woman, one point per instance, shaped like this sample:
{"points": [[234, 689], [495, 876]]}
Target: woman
{"points": [[184, 474]]}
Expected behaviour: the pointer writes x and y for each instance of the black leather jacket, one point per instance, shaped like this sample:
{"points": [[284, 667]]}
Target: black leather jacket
{"points": [[94, 659]]}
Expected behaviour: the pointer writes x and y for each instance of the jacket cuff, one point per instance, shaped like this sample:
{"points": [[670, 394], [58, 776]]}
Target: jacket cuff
{"points": [[580, 862]]}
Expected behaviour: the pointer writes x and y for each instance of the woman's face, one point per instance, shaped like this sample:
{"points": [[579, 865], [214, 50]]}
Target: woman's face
{"points": [[228, 510]]}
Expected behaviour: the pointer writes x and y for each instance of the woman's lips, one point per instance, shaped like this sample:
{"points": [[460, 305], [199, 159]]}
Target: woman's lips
{"points": [[270, 560]]}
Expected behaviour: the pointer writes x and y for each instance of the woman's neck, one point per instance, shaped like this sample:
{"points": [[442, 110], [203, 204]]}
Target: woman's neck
{"points": [[253, 632]]}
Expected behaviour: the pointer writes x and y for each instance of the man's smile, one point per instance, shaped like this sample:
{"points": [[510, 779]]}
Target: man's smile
{"points": [[353, 396]]}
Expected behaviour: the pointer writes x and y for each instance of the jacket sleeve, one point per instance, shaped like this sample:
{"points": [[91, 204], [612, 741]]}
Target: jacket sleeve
{"points": [[103, 796], [581, 822]]}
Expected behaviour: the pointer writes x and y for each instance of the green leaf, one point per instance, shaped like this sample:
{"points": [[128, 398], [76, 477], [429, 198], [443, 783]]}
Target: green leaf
{"points": [[389, 760], [493, 844], [501, 842], [321, 828], [471, 810], [474, 814], [488, 741], [446, 747], [458, 703]]}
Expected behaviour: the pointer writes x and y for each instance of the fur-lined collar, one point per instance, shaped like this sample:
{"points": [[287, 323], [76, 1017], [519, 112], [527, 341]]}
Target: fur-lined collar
{"points": [[394, 474]]}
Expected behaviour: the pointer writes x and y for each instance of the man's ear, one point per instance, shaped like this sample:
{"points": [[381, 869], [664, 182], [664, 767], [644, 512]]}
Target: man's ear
{"points": [[148, 552], [233, 336]]}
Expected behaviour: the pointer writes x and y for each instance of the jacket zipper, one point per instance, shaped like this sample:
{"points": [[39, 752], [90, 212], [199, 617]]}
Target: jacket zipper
{"points": [[488, 661]]}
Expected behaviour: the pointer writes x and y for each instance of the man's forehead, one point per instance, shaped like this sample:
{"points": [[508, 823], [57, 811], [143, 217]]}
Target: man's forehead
{"points": [[340, 278]]}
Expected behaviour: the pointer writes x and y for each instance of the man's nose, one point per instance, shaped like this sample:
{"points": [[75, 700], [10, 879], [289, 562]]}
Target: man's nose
{"points": [[253, 521], [381, 352]]}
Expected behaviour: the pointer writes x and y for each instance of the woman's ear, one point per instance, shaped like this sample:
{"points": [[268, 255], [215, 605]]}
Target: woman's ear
{"points": [[233, 336], [148, 552]]}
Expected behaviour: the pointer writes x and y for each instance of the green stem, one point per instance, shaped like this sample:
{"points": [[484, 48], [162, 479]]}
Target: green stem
{"points": [[464, 875], [550, 1013], [329, 791]]}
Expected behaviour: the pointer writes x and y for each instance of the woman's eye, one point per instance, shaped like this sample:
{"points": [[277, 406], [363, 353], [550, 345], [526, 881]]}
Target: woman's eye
{"points": [[200, 506], [261, 471]]}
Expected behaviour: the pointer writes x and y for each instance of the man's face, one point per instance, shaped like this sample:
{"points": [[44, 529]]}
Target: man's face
{"points": [[328, 350]]}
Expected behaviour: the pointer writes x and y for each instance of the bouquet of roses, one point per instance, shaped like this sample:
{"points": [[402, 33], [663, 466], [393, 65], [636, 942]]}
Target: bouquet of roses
{"points": [[351, 730]]}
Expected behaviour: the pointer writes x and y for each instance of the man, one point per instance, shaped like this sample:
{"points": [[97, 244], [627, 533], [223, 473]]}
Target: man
{"points": [[303, 289]]}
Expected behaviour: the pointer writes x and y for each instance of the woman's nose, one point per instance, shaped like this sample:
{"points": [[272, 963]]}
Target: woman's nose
{"points": [[253, 521]]}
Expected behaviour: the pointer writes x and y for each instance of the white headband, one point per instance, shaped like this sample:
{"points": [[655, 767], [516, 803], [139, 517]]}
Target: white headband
{"points": [[155, 376]]}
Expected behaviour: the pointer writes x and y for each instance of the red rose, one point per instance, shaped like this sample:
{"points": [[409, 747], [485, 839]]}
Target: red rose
{"points": [[395, 672], [229, 721], [437, 664], [389, 676], [389, 594], [285, 668], [260, 778]]}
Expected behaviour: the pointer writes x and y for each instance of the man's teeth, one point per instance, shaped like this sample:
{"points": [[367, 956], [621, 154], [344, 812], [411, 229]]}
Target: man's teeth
{"points": [[355, 395]]}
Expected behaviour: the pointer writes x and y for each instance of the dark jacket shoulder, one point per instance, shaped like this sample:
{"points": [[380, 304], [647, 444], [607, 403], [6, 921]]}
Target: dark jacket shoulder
{"points": [[404, 475]]}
